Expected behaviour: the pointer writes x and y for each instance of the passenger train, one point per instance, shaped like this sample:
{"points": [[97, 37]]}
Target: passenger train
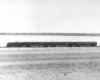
{"points": [[51, 44]]}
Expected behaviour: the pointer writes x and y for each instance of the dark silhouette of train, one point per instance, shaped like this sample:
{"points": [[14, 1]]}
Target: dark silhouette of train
{"points": [[51, 44]]}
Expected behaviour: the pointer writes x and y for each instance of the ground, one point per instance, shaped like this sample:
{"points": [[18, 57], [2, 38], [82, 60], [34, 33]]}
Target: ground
{"points": [[55, 66]]}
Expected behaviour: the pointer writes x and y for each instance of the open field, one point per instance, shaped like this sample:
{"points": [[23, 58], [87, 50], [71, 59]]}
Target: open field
{"points": [[50, 63]]}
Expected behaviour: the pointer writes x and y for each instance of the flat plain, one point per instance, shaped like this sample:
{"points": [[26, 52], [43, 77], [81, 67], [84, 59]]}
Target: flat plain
{"points": [[50, 63]]}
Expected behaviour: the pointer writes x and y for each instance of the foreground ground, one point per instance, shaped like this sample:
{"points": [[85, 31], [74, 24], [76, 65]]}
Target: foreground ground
{"points": [[46, 66], [52, 71]]}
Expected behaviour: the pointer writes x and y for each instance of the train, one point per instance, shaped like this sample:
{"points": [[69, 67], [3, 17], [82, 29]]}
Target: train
{"points": [[51, 44]]}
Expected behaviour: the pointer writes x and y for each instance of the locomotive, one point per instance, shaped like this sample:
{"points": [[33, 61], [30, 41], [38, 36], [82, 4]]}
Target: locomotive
{"points": [[51, 44]]}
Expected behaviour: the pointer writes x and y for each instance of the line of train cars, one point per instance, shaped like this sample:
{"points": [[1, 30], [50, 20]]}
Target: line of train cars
{"points": [[51, 44]]}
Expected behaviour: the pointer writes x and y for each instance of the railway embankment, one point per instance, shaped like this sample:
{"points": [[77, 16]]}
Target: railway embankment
{"points": [[48, 50]]}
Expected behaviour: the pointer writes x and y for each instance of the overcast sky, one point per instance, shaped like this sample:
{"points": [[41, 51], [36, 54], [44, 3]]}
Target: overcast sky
{"points": [[75, 16], [50, 16]]}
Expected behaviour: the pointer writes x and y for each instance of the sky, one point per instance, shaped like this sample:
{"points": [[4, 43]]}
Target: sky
{"points": [[80, 16], [67, 16]]}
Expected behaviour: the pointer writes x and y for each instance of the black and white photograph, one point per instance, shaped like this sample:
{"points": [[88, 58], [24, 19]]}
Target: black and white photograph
{"points": [[49, 39]]}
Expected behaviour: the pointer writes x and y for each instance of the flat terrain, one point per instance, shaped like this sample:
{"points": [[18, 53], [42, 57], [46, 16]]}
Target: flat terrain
{"points": [[50, 64]]}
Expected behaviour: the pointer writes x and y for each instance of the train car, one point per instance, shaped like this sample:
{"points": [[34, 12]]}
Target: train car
{"points": [[59, 44], [84, 44], [32, 44], [24, 44], [56, 44], [14, 44]]}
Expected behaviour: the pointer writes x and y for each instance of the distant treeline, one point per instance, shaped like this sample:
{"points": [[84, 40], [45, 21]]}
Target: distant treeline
{"points": [[54, 34]]}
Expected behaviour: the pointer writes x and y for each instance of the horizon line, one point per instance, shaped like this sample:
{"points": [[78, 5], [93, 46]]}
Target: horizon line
{"points": [[54, 34]]}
